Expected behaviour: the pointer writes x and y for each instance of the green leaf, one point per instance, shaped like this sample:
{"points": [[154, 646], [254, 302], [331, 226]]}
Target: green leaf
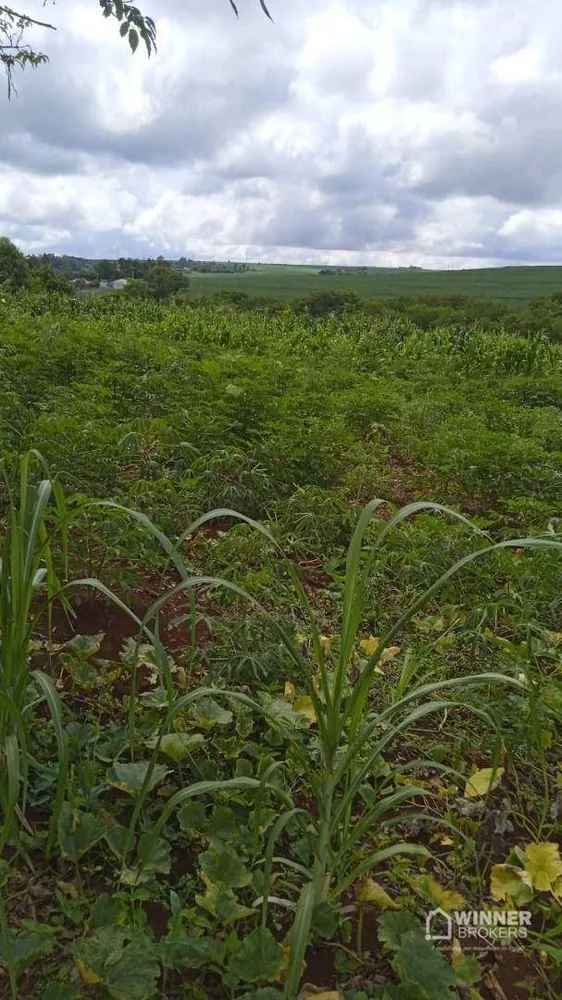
{"points": [[177, 746], [124, 29], [156, 862], [130, 777], [129, 971], [222, 904], [419, 964], [268, 993], [466, 967], [222, 826], [192, 817], [207, 714], [61, 992], [133, 39], [224, 868], [117, 837], [155, 699], [394, 924], [84, 646], [260, 958], [177, 949], [78, 831], [26, 949], [325, 920], [108, 910]]}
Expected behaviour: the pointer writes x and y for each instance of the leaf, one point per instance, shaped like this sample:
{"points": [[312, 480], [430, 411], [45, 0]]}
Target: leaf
{"points": [[419, 964], [466, 968], [108, 910], [261, 957], [289, 692], [130, 777], [310, 994], [129, 971], [222, 904], [325, 920], [511, 883], [87, 976], [221, 827], [304, 706], [83, 673], [157, 862], [268, 993], [371, 893], [543, 864], [78, 831], [207, 714], [483, 781], [393, 926], [177, 949], [86, 645], [430, 889], [280, 714], [224, 868], [117, 837], [25, 949], [133, 39], [177, 746], [192, 817], [61, 991]]}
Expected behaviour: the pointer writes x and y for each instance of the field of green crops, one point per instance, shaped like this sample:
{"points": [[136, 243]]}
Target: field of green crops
{"points": [[280, 652], [285, 281]]}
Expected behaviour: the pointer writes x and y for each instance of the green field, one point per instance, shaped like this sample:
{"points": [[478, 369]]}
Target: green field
{"points": [[255, 723], [513, 284]]}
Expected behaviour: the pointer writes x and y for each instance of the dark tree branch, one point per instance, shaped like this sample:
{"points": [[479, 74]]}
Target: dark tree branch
{"points": [[133, 25]]}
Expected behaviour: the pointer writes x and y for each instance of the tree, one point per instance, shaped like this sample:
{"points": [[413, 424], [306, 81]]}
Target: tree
{"points": [[14, 270], [16, 53], [163, 281]]}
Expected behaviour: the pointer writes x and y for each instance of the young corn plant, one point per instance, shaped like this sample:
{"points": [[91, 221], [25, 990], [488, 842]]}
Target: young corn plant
{"points": [[351, 736], [26, 572]]}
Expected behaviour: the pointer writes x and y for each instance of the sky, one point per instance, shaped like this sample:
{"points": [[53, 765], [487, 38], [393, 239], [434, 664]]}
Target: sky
{"points": [[387, 133]]}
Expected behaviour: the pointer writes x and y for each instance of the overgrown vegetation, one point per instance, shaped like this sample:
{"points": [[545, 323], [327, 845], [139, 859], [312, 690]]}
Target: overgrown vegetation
{"points": [[255, 724]]}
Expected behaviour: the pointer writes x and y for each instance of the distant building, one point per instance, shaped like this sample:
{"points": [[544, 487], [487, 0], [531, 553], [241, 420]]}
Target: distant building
{"points": [[113, 286]]}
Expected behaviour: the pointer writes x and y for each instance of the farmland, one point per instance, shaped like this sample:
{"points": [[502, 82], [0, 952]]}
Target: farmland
{"points": [[245, 754], [287, 282]]}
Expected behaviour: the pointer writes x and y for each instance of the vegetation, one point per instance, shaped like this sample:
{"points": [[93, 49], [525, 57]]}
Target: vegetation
{"points": [[16, 53], [254, 722]]}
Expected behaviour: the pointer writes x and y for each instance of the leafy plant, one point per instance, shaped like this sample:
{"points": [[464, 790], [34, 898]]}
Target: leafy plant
{"points": [[26, 570]]}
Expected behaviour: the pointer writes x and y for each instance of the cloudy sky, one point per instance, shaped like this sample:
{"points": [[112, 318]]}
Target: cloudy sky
{"points": [[393, 132]]}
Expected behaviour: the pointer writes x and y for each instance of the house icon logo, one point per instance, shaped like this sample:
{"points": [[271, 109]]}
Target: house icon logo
{"points": [[438, 926]]}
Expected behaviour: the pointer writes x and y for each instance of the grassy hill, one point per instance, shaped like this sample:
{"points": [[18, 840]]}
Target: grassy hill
{"points": [[285, 281]]}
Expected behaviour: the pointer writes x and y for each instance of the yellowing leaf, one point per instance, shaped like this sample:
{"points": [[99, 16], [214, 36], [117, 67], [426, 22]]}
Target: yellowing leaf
{"points": [[289, 692], [370, 645], [310, 993], [543, 864], [370, 892], [300, 639], [88, 977], [511, 883], [304, 706], [326, 642], [446, 841], [448, 900], [481, 782]]}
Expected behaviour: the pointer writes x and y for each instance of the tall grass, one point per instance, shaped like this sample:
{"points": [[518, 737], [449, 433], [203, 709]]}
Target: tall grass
{"points": [[26, 571], [351, 736]]}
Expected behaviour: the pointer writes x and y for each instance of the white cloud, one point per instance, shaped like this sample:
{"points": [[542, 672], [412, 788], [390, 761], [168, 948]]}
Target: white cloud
{"points": [[407, 131]]}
